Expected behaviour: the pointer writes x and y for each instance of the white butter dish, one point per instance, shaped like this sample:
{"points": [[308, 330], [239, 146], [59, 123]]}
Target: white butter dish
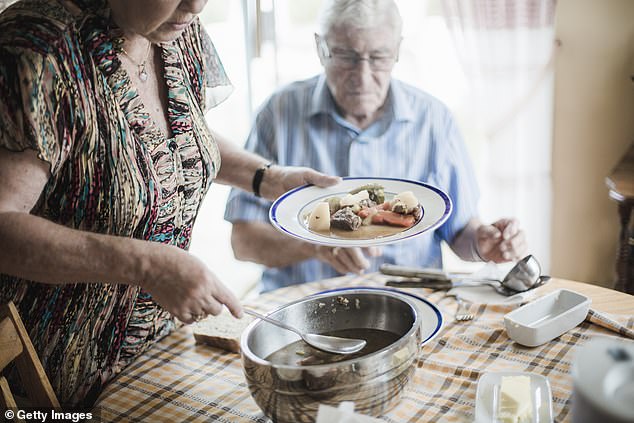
{"points": [[488, 393], [547, 317]]}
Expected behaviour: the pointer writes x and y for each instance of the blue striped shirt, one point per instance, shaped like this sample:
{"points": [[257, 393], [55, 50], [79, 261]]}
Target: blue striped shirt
{"points": [[415, 138]]}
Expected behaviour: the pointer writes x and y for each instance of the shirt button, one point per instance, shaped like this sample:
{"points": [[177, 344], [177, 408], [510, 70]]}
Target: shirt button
{"points": [[181, 188], [177, 231], [173, 146]]}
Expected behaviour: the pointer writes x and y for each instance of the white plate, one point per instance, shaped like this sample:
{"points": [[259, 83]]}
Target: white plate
{"points": [[431, 317], [488, 390], [287, 212], [488, 295]]}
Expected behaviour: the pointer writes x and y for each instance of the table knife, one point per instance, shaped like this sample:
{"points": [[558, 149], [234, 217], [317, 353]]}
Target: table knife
{"points": [[440, 284], [421, 272], [421, 283]]}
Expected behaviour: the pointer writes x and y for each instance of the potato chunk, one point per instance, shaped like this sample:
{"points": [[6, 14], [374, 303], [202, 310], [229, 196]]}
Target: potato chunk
{"points": [[354, 199], [407, 198], [319, 219]]}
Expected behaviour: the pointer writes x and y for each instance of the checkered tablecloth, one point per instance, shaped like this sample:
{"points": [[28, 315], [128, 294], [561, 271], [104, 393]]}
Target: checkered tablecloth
{"points": [[179, 381]]}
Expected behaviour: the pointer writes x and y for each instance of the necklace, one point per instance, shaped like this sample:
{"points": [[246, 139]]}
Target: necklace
{"points": [[143, 75]]}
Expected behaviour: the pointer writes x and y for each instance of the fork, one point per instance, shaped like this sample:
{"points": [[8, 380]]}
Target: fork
{"points": [[462, 313]]}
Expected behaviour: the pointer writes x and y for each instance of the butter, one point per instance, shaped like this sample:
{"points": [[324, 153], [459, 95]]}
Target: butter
{"points": [[515, 403]]}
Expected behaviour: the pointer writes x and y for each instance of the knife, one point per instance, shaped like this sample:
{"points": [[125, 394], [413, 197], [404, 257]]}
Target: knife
{"points": [[420, 283], [413, 272], [440, 284]]}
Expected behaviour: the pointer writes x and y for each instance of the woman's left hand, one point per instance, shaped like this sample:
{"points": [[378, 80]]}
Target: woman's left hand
{"points": [[280, 179]]}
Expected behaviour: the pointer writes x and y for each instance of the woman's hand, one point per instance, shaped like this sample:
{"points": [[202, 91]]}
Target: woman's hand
{"points": [[186, 288], [279, 179], [501, 241], [347, 260]]}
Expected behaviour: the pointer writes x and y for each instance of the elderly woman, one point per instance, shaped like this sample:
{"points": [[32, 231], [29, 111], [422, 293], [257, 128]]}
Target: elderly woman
{"points": [[104, 161]]}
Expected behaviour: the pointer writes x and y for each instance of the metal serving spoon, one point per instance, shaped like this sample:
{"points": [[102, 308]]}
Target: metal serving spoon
{"points": [[525, 275], [331, 344]]}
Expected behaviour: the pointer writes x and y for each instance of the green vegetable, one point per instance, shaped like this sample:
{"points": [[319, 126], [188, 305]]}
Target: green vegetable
{"points": [[334, 203]]}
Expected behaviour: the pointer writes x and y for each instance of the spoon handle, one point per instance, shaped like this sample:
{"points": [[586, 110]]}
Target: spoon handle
{"points": [[272, 321]]}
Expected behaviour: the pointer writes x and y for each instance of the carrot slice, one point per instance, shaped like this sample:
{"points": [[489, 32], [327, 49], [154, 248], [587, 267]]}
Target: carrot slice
{"points": [[394, 219], [363, 213]]}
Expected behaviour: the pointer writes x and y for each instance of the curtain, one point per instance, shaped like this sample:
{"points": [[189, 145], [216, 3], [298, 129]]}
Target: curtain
{"points": [[506, 49]]}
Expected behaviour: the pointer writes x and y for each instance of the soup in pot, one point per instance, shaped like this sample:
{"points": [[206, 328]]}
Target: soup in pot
{"points": [[299, 353]]}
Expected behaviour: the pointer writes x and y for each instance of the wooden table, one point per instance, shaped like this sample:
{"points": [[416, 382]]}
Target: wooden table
{"points": [[621, 184], [177, 380]]}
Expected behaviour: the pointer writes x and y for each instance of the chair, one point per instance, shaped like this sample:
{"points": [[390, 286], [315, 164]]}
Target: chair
{"points": [[16, 347]]}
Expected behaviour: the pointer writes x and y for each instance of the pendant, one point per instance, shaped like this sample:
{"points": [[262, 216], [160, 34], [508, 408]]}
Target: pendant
{"points": [[142, 73]]}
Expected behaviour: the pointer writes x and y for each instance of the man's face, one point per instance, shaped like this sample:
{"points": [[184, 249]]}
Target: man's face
{"points": [[360, 87]]}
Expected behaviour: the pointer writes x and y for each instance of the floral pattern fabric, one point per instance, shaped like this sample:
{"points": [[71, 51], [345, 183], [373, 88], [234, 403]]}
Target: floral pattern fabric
{"points": [[66, 96]]}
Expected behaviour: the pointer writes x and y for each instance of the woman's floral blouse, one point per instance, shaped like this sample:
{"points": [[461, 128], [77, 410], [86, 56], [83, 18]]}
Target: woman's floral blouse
{"points": [[65, 95]]}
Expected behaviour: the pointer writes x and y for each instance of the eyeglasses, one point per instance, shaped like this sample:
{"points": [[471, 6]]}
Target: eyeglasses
{"points": [[350, 60]]}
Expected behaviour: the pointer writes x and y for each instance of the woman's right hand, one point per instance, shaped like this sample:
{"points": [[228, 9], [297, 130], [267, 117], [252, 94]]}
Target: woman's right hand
{"points": [[185, 287]]}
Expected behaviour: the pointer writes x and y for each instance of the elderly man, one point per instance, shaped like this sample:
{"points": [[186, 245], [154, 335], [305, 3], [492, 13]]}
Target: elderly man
{"points": [[356, 120]]}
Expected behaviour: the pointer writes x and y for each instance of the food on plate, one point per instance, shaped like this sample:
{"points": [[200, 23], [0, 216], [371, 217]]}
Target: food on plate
{"points": [[346, 219], [352, 200], [364, 207], [515, 403], [375, 192], [404, 203], [319, 219]]}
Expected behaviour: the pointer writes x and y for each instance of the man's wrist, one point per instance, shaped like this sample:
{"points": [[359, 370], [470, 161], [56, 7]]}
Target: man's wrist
{"points": [[475, 253], [258, 176]]}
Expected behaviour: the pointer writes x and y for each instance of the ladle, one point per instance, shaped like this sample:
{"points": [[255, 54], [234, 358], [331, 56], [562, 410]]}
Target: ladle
{"points": [[331, 344], [525, 275]]}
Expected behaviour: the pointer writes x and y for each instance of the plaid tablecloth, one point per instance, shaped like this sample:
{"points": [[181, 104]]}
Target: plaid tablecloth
{"points": [[179, 381]]}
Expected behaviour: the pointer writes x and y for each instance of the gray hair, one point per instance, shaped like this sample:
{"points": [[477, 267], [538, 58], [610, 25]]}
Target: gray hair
{"points": [[359, 14]]}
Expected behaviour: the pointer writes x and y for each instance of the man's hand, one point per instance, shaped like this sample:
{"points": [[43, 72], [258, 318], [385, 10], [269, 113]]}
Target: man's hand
{"points": [[279, 179], [501, 241], [347, 260]]}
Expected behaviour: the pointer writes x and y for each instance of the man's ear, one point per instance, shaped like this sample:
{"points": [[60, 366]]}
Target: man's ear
{"points": [[398, 48], [321, 53]]}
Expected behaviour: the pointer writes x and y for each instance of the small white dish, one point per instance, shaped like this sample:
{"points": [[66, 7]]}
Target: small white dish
{"points": [[547, 317], [288, 211], [487, 397]]}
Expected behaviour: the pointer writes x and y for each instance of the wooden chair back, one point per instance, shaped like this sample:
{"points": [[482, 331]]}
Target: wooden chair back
{"points": [[16, 347]]}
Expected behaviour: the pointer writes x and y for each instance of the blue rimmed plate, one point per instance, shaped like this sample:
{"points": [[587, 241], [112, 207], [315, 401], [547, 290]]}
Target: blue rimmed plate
{"points": [[431, 317], [289, 212]]}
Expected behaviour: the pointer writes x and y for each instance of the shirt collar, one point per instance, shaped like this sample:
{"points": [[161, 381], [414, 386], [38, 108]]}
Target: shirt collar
{"points": [[397, 107], [401, 109], [322, 101]]}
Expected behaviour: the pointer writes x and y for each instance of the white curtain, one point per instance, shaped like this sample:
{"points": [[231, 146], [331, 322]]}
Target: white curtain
{"points": [[506, 48]]}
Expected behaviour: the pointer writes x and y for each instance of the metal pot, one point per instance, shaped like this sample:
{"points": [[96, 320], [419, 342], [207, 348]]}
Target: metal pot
{"points": [[374, 382]]}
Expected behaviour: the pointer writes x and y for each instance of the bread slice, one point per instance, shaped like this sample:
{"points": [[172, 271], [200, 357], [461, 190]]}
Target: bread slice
{"points": [[222, 331]]}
